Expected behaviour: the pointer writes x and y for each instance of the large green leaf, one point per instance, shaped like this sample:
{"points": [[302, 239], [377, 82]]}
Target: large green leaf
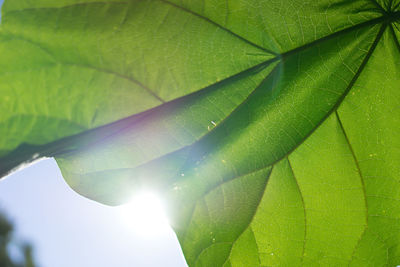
{"points": [[270, 127]]}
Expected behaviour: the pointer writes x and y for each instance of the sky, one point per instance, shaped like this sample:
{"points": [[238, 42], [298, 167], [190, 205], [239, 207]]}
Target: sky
{"points": [[67, 229]]}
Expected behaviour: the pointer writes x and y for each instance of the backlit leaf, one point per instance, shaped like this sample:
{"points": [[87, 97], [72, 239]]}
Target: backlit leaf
{"points": [[270, 127]]}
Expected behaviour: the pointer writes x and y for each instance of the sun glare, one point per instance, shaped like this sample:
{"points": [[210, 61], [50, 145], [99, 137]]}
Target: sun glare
{"points": [[145, 215]]}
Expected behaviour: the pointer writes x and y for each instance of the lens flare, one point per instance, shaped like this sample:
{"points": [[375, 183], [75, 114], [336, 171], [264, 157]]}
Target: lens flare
{"points": [[145, 214]]}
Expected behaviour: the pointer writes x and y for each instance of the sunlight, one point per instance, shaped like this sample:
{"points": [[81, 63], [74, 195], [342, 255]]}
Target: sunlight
{"points": [[145, 215]]}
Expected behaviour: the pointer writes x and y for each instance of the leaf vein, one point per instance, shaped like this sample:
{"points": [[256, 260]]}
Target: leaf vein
{"points": [[218, 26], [304, 210], [362, 182]]}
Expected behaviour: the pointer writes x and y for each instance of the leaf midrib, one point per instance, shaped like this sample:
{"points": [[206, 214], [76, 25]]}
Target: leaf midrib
{"points": [[53, 148], [263, 65], [396, 40], [360, 69]]}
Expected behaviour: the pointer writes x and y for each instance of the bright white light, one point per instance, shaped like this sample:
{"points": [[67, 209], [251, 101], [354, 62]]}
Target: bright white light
{"points": [[145, 214]]}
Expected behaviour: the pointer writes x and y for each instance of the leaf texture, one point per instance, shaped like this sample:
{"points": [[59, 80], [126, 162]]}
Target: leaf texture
{"points": [[271, 127]]}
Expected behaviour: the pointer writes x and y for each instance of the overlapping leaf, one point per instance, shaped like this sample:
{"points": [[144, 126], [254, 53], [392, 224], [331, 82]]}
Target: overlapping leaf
{"points": [[270, 127]]}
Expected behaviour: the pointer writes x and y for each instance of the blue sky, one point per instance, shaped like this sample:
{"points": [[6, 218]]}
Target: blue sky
{"points": [[68, 230]]}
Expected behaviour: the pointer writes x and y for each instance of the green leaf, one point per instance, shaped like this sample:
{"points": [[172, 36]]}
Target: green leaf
{"points": [[270, 127]]}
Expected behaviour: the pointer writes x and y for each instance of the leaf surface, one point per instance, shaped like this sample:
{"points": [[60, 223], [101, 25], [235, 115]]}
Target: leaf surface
{"points": [[271, 128]]}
